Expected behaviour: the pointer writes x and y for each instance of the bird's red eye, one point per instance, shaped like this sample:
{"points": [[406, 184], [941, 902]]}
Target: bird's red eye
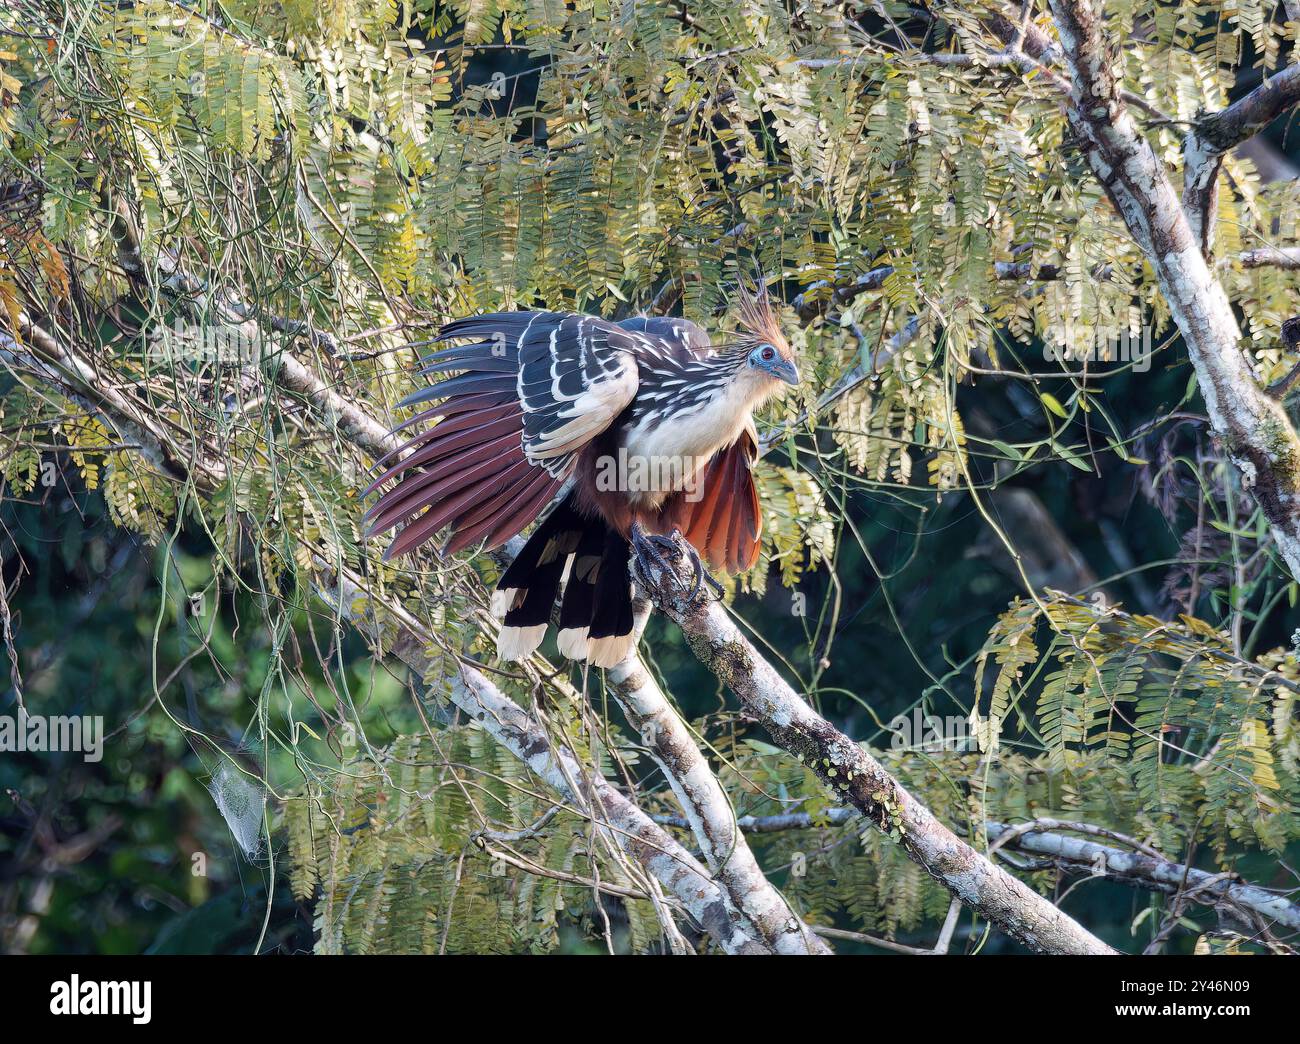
{"points": [[769, 353]]}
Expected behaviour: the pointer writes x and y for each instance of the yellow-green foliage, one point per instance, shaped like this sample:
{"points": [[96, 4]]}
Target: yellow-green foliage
{"points": [[215, 166], [1196, 732], [387, 849], [798, 530], [20, 461]]}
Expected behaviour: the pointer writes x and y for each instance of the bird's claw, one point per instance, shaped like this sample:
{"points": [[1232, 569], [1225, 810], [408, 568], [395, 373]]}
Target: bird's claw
{"points": [[647, 548], [657, 548]]}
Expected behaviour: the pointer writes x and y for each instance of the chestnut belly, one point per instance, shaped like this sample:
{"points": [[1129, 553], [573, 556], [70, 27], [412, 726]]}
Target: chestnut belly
{"points": [[623, 487]]}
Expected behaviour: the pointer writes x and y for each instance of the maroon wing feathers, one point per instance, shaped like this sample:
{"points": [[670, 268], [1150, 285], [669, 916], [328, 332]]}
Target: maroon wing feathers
{"points": [[467, 473], [725, 523]]}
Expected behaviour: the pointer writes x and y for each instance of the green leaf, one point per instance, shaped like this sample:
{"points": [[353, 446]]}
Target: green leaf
{"points": [[1052, 403], [1072, 457]]}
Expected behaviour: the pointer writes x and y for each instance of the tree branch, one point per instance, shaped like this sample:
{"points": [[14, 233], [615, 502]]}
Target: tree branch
{"points": [[855, 777], [1146, 871], [825, 296], [1252, 428], [352, 423], [860, 373], [1140, 869], [1214, 134], [708, 811], [1286, 258], [1246, 117], [41, 353]]}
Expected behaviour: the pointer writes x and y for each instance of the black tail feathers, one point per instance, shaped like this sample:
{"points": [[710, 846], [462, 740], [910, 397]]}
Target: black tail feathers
{"points": [[590, 560]]}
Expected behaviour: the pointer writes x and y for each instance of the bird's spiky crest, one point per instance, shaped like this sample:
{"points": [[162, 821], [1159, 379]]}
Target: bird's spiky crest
{"points": [[759, 318]]}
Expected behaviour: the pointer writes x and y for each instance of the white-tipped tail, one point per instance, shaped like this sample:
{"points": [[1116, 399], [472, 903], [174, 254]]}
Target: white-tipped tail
{"points": [[573, 642], [609, 652], [515, 643]]}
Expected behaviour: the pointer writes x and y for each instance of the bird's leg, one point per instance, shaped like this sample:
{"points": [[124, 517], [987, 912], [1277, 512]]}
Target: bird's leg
{"points": [[652, 547], [682, 546]]}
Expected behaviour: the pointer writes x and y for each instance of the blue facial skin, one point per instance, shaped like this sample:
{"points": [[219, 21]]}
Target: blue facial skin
{"points": [[768, 359]]}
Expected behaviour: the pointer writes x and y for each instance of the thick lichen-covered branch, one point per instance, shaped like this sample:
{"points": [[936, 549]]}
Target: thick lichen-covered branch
{"points": [[1147, 870], [708, 810], [1254, 430], [1214, 134], [859, 780]]}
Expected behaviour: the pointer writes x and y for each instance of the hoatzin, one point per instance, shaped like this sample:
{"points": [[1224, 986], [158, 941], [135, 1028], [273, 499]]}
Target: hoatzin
{"points": [[632, 430]]}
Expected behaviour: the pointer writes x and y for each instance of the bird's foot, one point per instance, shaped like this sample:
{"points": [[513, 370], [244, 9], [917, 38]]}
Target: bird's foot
{"points": [[662, 551], [649, 550]]}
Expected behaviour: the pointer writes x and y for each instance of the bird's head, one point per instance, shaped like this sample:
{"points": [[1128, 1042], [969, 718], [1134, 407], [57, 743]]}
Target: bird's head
{"points": [[770, 360]]}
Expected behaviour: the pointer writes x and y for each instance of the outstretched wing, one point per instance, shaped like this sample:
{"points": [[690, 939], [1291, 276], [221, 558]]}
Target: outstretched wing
{"points": [[574, 379], [531, 389]]}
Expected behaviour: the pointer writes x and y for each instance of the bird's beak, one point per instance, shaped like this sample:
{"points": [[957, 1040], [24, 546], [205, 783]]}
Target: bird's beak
{"points": [[785, 370]]}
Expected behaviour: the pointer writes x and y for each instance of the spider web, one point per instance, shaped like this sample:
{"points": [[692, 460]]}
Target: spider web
{"points": [[241, 803]]}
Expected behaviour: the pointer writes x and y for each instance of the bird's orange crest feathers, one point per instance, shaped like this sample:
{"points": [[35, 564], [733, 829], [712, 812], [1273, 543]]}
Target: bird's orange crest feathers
{"points": [[759, 318]]}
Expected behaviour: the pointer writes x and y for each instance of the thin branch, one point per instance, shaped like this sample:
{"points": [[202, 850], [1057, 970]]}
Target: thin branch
{"points": [[40, 352], [1037, 44], [859, 374], [338, 413], [1141, 868], [825, 296], [1286, 258], [871, 940], [512, 836], [855, 777]]}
